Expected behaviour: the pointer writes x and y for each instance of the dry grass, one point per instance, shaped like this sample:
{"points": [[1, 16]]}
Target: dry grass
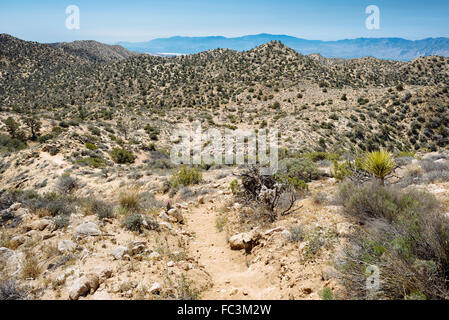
{"points": [[30, 266]]}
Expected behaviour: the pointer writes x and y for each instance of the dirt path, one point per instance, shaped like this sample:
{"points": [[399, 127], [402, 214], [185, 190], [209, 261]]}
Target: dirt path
{"points": [[229, 269]]}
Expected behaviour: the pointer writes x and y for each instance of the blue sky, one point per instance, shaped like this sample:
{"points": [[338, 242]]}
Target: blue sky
{"points": [[139, 20]]}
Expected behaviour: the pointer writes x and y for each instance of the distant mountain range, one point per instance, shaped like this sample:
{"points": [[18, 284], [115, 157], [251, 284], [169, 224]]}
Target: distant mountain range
{"points": [[381, 48]]}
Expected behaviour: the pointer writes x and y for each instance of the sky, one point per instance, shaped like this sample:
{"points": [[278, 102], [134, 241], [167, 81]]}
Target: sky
{"points": [[112, 21]]}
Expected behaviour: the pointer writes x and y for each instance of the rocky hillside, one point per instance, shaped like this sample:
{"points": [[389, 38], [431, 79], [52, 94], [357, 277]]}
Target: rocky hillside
{"points": [[95, 51], [92, 207]]}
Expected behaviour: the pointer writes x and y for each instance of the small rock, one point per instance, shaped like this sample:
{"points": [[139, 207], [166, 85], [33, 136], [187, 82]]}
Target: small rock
{"points": [[119, 252], [136, 247], [286, 233], [66, 246], [167, 225], [271, 231], [176, 214], [234, 291], [17, 240], [15, 206], [155, 288], [164, 216], [201, 200], [154, 255], [328, 273], [170, 264], [87, 229], [343, 229], [237, 206]]}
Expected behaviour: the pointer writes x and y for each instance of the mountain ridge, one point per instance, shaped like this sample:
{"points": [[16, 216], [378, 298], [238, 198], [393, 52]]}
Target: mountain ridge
{"points": [[381, 48]]}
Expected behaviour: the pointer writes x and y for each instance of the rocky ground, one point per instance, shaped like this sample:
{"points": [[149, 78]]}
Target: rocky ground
{"points": [[204, 247]]}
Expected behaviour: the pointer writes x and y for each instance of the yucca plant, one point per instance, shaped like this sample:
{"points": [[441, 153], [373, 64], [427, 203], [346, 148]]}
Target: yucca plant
{"points": [[380, 164]]}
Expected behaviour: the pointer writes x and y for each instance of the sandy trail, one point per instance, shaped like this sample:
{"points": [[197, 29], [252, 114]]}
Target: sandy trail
{"points": [[229, 269]]}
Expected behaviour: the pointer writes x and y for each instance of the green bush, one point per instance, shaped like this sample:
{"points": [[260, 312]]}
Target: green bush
{"points": [[10, 144], [235, 188], [92, 162], [301, 168], [122, 156], [185, 177], [406, 238], [91, 146], [319, 156], [100, 208], [133, 222]]}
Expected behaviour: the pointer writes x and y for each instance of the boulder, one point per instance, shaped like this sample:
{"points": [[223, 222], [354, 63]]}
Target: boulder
{"points": [[245, 241], [39, 225], [84, 285]]}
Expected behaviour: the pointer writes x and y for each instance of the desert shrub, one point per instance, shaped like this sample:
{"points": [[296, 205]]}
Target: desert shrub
{"points": [[61, 221], [295, 182], [235, 188], [327, 294], [10, 290], [54, 203], [100, 208], [341, 170], [133, 222], [129, 200], [413, 175], [320, 198], [185, 290], [406, 238], [94, 162], [30, 266], [148, 201], [301, 168], [436, 176], [380, 164], [429, 165], [319, 156], [67, 184], [296, 234], [11, 144], [186, 176], [372, 200], [91, 146], [409, 154], [122, 156]]}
